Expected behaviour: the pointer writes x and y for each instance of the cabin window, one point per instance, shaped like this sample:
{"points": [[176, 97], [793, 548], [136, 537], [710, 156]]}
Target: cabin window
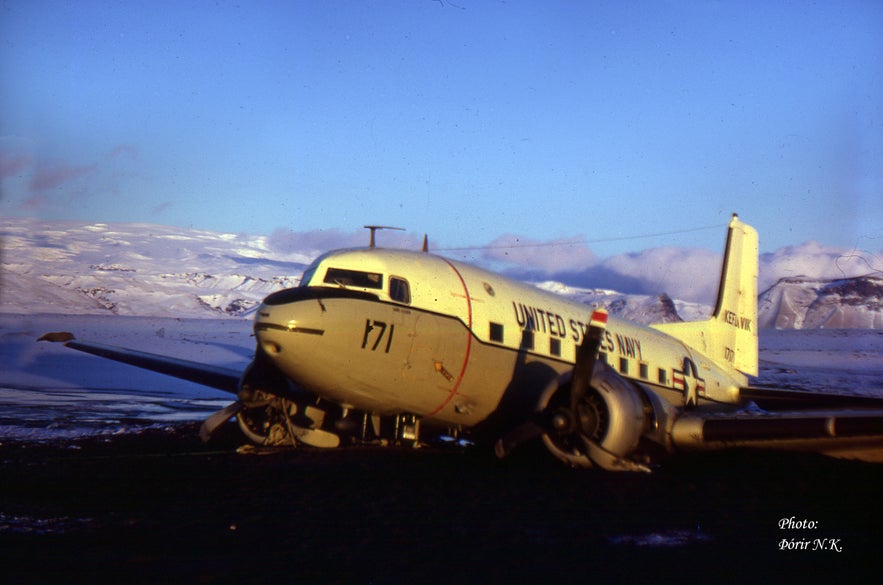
{"points": [[497, 332], [663, 378], [644, 371], [527, 339], [624, 365], [555, 346], [357, 278], [399, 290]]}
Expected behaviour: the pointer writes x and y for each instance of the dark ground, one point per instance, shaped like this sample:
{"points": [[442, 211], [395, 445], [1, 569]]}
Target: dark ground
{"points": [[160, 507]]}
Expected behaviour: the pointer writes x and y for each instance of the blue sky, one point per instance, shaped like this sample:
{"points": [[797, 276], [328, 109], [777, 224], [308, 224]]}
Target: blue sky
{"points": [[472, 121]]}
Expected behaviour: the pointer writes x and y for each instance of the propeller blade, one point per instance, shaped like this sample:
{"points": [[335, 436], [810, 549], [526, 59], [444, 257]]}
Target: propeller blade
{"points": [[520, 434], [609, 461], [211, 424], [562, 421], [586, 356]]}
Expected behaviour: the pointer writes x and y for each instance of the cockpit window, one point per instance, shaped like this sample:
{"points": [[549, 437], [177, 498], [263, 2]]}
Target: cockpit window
{"points": [[308, 276], [344, 277], [399, 290]]}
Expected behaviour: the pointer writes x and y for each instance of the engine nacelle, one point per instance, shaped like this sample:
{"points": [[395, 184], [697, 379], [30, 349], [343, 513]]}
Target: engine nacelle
{"points": [[614, 414]]}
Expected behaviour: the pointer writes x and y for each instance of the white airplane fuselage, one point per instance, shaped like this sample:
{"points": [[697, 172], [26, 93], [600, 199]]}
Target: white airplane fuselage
{"points": [[391, 331]]}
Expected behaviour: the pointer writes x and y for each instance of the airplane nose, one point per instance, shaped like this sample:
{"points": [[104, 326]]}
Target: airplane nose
{"points": [[288, 319], [279, 328], [298, 317], [307, 332]]}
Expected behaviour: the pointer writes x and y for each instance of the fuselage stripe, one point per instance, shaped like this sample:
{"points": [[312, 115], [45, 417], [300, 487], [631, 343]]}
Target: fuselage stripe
{"points": [[468, 342]]}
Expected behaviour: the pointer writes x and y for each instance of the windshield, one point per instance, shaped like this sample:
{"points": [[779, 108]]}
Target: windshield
{"points": [[357, 278], [308, 275]]}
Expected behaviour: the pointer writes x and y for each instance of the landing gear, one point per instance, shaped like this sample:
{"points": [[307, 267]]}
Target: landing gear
{"points": [[273, 421], [372, 429], [269, 420], [272, 413], [407, 430], [265, 419]]}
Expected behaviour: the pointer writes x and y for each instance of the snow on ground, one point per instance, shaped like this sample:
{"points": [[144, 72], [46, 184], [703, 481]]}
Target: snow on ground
{"points": [[825, 360], [48, 391]]}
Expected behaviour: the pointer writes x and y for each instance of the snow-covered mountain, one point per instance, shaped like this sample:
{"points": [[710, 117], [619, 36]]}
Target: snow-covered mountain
{"points": [[807, 303], [137, 269], [163, 271], [639, 308]]}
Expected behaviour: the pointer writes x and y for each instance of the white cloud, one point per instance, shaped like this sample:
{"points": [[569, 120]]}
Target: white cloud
{"points": [[549, 257], [689, 274], [317, 242], [814, 260]]}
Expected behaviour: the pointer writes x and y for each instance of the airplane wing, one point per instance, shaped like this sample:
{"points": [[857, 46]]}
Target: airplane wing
{"points": [[774, 398], [212, 376], [847, 426]]}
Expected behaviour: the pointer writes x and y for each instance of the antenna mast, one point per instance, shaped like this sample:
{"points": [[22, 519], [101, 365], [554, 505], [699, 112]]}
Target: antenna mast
{"points": [[374, 229]]}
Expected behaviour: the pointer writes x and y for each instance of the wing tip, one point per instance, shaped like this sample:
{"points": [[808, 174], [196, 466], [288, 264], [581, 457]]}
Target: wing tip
{"points": [[57, 336]]}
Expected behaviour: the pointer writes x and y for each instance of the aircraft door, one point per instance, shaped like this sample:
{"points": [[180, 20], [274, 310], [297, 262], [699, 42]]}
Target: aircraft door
{"points": [[440, 345]]}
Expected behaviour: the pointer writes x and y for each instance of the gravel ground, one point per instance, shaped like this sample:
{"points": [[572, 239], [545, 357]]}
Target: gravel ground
{"points": [[159, 507]]}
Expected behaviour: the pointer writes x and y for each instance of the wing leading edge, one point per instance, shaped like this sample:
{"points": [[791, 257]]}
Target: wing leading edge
{"points": [[212, 376], [841, 432], [773, 398], [838, 425]]}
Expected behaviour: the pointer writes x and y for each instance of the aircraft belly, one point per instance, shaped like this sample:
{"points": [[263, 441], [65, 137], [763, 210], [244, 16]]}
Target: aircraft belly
{"points": [[502, 386]]}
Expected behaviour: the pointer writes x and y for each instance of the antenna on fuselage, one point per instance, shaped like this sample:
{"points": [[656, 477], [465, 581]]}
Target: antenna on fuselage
{"points": [[374, 229]]}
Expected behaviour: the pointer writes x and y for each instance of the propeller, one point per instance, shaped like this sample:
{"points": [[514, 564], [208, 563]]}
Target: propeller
{"points": [[567, 421], [211, 424], [573, 418]]}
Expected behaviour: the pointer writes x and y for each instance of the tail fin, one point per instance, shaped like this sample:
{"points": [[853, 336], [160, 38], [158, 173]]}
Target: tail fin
{"points": [[730, 336]]}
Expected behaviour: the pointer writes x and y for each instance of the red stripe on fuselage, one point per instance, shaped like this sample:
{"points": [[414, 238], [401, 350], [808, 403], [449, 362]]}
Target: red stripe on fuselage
{"points": [[468, 342]]}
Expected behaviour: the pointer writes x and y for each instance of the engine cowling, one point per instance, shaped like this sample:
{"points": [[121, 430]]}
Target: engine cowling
{"points": [[606, 428]]}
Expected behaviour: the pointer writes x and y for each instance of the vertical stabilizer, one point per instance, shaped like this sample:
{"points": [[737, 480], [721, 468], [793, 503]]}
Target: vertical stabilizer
{"points": [[736, 306], [730, 336]]}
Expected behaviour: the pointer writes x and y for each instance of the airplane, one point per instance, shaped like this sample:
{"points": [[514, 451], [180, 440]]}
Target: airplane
{"points": [[388, 347]]}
